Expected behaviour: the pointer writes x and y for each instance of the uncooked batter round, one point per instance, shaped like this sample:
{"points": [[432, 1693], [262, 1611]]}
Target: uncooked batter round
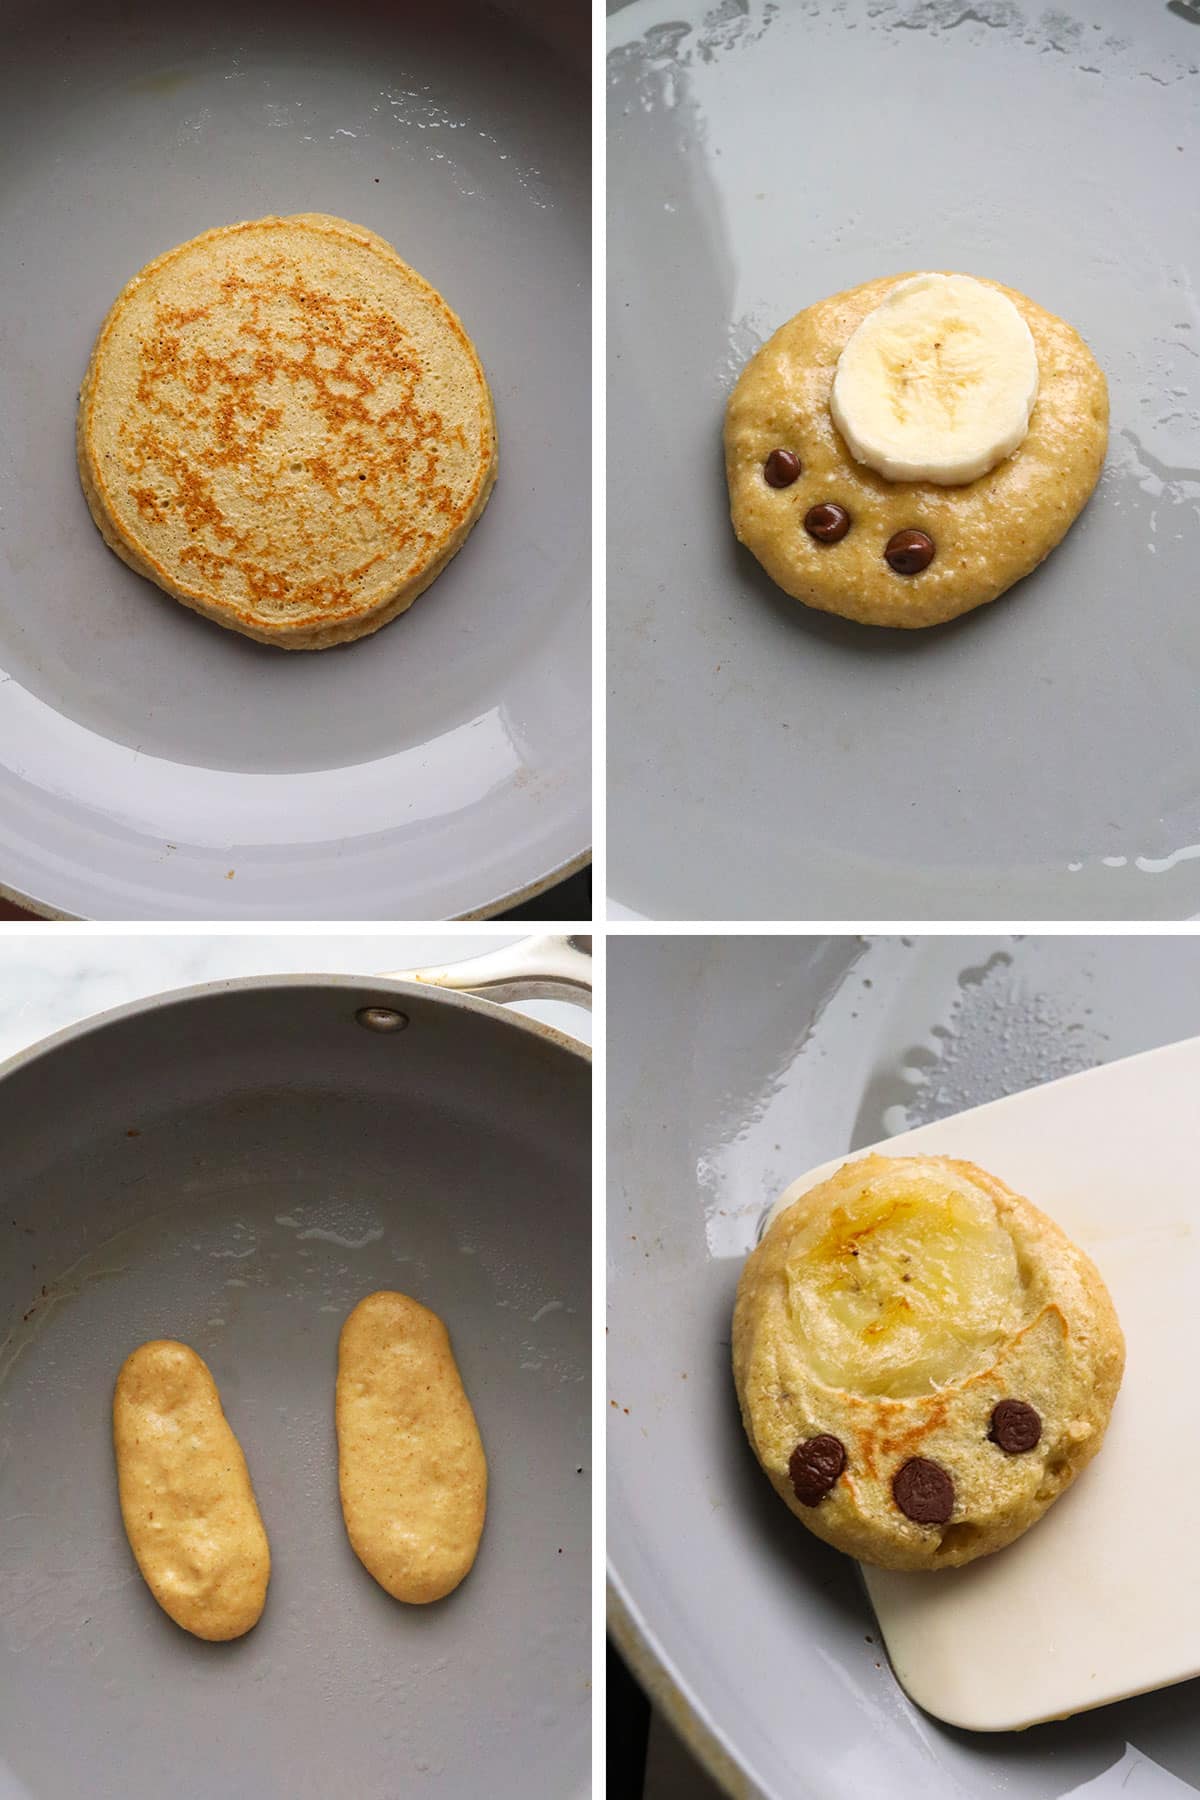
{"points": [[843, 537]]}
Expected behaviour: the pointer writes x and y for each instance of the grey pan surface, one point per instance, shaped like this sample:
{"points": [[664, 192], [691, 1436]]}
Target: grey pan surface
{"points": [[238, 1166], [152, 765], [755, 1638], [1038, 758]]}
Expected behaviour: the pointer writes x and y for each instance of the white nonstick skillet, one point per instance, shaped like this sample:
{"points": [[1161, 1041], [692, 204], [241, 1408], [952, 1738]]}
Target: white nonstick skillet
{"points": [[1037, 758], [235, 1165], [757, 1641], [151, 764]]}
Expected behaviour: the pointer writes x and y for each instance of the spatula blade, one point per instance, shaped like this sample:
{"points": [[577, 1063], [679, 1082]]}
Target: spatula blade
{"points": [[1097, 1601]]}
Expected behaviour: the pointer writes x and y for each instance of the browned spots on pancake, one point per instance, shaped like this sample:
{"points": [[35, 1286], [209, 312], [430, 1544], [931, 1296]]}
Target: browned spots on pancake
{"points": [[907, 1442], [184, 315], [234, 446], [149, 504], [879, 1428], [192, 495], [876, 1438], [263, 584], [160, 357], [305, 596], [320, 470], [864, 1448]]}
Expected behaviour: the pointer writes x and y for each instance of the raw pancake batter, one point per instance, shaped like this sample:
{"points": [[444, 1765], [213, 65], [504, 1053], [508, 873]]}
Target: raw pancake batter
{"points": [[954, 488], [186, 1500], [411, 1468]]}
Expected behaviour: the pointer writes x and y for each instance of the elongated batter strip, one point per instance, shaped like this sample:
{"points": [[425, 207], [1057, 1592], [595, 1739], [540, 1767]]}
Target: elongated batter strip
{"points": [[411, 1467], [189, 1509]]}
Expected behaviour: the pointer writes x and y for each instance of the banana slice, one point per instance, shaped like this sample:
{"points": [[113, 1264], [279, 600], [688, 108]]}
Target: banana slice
{"points": [[902, 1287], [937, 383]]}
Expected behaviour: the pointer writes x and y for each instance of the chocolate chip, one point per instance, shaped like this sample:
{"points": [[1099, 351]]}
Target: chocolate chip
{"points": [[909, 552], [814, 1466], [781, 468], [1016, 1427], [828, 522], [923, 1491]]}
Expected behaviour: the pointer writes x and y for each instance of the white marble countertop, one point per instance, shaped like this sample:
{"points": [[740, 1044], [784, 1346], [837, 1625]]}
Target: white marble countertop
{"points": [[53, 976]]}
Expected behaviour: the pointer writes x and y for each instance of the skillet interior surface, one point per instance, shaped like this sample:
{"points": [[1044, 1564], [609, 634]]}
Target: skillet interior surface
{"points": [[1035, 758], [237, 1168], [784, 1053], [152, 764]]}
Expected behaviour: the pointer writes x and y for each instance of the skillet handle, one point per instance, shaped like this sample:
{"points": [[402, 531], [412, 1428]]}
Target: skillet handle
{"points": [[538, 968]]}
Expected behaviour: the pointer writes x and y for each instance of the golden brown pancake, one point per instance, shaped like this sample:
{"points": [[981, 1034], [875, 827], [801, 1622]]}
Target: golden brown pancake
{"points": [[286, 428], [924, 1361]]}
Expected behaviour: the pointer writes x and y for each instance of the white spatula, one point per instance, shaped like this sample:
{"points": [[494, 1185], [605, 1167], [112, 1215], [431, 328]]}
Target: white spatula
{"points": [[1099, 1599]]}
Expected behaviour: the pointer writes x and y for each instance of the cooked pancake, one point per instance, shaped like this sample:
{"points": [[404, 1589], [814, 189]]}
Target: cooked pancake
{"points": [[287, 429], [924, 1361]]}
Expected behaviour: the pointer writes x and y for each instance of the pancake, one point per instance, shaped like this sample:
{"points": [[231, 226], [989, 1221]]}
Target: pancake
{"points": [[823, 535], [412, 1473], [287, 429], [924, 1361], [187, 1502]]}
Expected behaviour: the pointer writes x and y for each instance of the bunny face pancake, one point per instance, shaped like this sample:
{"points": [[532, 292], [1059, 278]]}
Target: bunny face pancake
{"points": [[924, 1361], [905, 451]]}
